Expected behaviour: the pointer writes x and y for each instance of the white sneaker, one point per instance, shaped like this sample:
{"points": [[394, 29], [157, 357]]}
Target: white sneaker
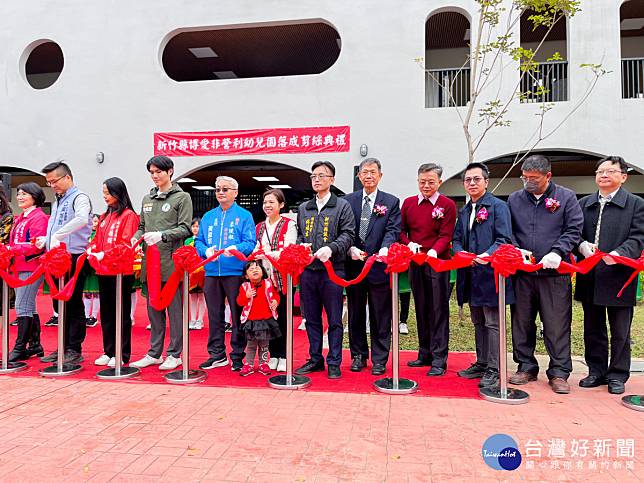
{"points": [[102, 361], [170, 363], [112, 362], [281, 365], [303, 324], [198, 324], [146, 361], [191, 325], [272, 363], [148, 327], [402, 328]]}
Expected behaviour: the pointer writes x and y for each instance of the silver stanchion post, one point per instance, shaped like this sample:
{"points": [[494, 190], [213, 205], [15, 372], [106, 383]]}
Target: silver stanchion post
{"points": [[7, 367], [185, 375], [118, 372], [501, 393], [395, 385], [289, 380], [61, 368]]}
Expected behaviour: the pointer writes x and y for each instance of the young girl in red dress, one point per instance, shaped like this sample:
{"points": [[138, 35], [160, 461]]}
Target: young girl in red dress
{"points": [[259, 299]]}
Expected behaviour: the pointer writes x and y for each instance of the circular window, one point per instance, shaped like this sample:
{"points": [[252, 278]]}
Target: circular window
{"points": [[44, 64]]}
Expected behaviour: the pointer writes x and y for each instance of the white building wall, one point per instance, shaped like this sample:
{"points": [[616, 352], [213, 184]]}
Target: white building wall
{"points": [[113, 93]]}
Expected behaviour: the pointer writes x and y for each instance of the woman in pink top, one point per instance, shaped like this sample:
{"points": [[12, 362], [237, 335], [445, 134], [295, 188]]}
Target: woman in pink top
{"points": [[27, 227]]}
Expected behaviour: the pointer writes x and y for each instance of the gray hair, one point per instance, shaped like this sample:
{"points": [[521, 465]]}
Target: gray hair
{"points": [[436, 168], [367, 161], [537, 162], [232, 181]]}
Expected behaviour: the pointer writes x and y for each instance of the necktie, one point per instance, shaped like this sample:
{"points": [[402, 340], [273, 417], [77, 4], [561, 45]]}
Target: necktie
{"points": [[602, 204], [364, 218]]}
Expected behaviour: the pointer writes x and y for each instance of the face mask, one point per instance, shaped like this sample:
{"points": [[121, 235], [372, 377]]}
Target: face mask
{"points": [[530, 186]]}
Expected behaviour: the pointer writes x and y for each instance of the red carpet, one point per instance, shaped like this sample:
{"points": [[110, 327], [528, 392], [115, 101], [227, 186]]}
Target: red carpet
{"points": [[449, 385]]}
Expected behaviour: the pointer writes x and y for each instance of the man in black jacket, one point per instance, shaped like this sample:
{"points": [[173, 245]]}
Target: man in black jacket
{"points": [[614, 224], [326, 223], [546, 221], [377, 216]]}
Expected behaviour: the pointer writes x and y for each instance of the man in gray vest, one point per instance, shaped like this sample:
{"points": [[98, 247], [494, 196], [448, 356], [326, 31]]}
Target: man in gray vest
{"points": [[70, 223]]}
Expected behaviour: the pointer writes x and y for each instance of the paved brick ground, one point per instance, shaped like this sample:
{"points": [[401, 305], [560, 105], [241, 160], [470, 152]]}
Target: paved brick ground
{"points": [[65, 430]]}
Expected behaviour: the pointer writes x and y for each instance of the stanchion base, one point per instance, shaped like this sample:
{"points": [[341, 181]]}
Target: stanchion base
{"points": [[514, 396], [294, 382], [13, 367], [65, 370], [110, 373], [194, 375], [387, 386], [634, 402]]}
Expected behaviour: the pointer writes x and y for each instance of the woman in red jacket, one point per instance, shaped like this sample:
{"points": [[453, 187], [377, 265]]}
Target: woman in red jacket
{"points": [[27, 226], [116, 226]]}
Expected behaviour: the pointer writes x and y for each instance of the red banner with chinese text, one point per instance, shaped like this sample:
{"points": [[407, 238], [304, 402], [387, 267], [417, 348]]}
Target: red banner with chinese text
{"points": [[333, 139]]}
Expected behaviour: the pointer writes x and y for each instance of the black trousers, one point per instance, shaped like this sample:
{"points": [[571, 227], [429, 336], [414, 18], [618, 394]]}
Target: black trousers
{"points": [[216, 290], [378, 296], [75, 323], [107, 294], [551, 298], [596, 341], [431, 298], [277, 346]]}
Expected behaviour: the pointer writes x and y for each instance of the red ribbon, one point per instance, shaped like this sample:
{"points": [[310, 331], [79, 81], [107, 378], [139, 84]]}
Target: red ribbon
{"points": [[399, 256], [361, 276], [507, 260], [118, 260], [637, 265], [460, 260]]}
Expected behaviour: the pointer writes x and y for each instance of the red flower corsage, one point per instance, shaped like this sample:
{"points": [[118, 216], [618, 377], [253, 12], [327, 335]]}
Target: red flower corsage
{"points": [[482, 215], [438, 213], [380, 210], [552, 205]]}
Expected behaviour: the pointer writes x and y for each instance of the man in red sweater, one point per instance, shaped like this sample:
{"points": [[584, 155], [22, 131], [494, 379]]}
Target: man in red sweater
{"points": [[428, 221]]}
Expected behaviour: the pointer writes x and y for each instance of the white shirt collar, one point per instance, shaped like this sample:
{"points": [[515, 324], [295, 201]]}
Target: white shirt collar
{"points": [[320, 202], [372, 196], [610, 196], [28, 210], [432, 199]]}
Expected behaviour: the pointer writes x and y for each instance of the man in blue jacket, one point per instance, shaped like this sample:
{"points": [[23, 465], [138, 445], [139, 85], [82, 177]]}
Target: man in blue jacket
{"points": [[483, 225], [377, 216], [229, 226], [547, 222]]}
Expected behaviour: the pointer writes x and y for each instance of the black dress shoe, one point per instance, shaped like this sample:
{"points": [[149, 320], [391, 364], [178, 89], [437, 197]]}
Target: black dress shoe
{"points": [[615, 386], [334, 372], [378, 369], [436, 371], [592, 381], [475, 371], [358, 364], [490, 378], [419, 363], [310, 367]]}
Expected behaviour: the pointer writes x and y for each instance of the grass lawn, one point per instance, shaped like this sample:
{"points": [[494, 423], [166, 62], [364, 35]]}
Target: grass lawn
{"points": [[461, 331]]}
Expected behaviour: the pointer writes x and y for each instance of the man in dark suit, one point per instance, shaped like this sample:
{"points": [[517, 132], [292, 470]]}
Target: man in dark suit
{"points": [[377, 217], [614, 224], [483, 225]]}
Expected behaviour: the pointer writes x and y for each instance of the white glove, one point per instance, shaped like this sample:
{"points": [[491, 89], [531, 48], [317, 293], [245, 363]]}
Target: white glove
{"points": [[323, 254], [227, 253], [356, 253], [414, 247], [40, 242], [432, 253], [133, 241], [482, 262], [608, 260], [551, 260], [152, 237], [527, 254], [383, 252], [210, 252], [587, 249], [54, 242], [98, 255]]}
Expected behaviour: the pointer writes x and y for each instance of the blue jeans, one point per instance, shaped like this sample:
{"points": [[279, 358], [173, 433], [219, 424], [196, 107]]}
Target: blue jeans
{"points": [[318, 291]]}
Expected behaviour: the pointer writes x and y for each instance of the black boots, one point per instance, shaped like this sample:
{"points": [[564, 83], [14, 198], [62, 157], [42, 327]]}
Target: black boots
{"points": [[19, 352], [34, 348]]}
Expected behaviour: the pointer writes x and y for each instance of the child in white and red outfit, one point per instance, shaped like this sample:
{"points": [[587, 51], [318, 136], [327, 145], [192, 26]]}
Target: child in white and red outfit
{"points": [[259, 299]]}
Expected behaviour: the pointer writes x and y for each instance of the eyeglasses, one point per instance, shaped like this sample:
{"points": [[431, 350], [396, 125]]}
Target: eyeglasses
{"points": [[52, 183], [531, 179], [475, 180], [320, 176], [609, 172], [224, 190], [422, 182], [368, 173]]}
